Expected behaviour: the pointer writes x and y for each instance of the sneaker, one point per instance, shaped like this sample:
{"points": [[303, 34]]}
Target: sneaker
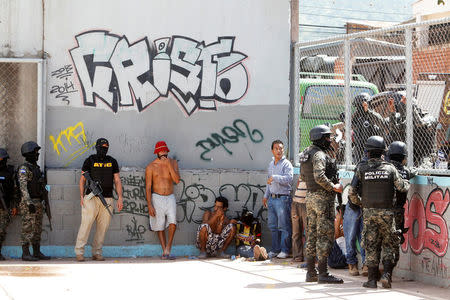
{"points": [[272, 254], [202, 255], [282, 255]]}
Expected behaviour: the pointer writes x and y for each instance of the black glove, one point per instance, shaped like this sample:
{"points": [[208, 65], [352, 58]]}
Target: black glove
{"points": [[31, 208], [353, 205]]}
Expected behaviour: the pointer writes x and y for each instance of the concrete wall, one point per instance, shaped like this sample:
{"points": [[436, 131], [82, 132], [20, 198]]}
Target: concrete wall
{"points": [[129, 233], [209, 77]]}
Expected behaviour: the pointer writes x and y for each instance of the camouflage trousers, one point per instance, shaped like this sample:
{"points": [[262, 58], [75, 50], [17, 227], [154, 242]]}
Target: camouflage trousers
{"points": [[378, 234], [31, 223], [4, 222], [399, 217], [320, 223]]}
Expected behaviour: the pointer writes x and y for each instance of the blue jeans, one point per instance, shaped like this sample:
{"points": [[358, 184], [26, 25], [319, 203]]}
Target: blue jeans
{"points": [[353, 226], [279, 221]]}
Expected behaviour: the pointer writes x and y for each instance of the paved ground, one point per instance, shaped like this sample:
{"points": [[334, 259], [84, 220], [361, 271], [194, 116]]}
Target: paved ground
{"points": [[145, 278]]}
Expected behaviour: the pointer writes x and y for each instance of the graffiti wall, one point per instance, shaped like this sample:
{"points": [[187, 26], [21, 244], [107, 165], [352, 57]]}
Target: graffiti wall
{"points": [[208, 86], [425, 252]]}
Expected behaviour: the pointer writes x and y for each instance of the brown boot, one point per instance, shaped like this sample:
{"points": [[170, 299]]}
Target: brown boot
{"points": [[353, 269], [365, 271]]}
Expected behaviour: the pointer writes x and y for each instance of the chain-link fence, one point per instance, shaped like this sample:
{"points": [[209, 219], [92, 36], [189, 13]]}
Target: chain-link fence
{"points": [[18, 106], [391, 82]]}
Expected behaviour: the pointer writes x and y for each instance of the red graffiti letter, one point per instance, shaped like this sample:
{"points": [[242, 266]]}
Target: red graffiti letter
{"points": [[416, 213], [436, 241]]}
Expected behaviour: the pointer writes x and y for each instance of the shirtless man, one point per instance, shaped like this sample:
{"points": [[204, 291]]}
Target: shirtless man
{"points": [[160, 175], [216, 232]]}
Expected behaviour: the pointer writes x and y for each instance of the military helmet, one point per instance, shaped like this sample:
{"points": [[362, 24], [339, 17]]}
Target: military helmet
{"points": [[29, 147], [317, 133], [363, 97], [397, 147], [3, 153], [375, 142]]}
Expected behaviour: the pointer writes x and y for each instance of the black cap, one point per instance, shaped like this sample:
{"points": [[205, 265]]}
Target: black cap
{"points": [[102, 142]]}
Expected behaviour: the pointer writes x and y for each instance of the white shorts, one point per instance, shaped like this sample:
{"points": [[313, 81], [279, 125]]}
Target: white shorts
{"points": [[165, 210]]}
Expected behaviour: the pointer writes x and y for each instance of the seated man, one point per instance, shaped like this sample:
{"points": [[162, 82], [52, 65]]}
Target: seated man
{"points": [[249, 236], [216, 232]]}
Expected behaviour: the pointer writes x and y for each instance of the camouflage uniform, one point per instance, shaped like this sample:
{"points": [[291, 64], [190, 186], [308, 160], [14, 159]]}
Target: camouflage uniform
{"points": [[319, 206], [379, 224], [31, 221]]}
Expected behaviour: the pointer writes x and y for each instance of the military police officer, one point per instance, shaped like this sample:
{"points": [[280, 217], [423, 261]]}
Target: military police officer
{"points": [[316, 171], [31, 207], [397, 155], [377, 180], [8, 195]]}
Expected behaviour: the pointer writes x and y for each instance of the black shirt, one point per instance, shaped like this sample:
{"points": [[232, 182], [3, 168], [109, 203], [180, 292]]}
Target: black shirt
{"points": [[7, 183], [102, 171]]}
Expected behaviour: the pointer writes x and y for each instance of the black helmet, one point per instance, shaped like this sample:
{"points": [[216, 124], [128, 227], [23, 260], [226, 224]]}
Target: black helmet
{"points": [[29, 147], [3, 153], [375, 142], [317, 133], [397, 148]]}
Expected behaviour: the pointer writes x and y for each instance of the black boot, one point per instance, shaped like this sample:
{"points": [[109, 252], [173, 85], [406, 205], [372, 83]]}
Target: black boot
{"points": [[372, 278], [386, 278], [1, 256], [311, 274], [26, 256], [38, 254], [324, 276]]}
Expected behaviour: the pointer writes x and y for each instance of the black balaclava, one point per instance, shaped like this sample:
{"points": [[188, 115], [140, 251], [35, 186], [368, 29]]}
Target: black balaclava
{"points": [[3, 163], [324, 143], [101, 151], [32, 157]]}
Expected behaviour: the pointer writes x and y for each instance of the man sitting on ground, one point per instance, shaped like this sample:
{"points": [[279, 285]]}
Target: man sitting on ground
{"points": [[216, 232], [248, 237]]}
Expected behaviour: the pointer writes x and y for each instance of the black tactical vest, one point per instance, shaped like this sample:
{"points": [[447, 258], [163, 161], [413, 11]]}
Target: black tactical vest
{"points": [[35, 185], [400, 197], [377, 186], [7, 183], [307, 167]]}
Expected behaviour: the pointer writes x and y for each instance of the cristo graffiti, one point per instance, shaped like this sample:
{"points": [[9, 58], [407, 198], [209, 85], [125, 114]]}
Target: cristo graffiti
{"points": [[120, 74]]}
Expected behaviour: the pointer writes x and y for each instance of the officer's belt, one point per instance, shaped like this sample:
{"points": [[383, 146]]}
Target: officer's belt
{"points": [[274, 196]]}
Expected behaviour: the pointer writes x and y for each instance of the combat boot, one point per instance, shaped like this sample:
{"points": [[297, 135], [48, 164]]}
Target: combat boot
{"points": [[324, 276], [38, 254], [26, 256], [311, 274], [372, 278], [353, 269], [386, 278]]}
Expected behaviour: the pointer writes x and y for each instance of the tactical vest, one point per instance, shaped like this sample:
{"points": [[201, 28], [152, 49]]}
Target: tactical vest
{"points": [[7, 183], [35, 185], [400, 197], [307, 168], [102, 172], [377, 186]]}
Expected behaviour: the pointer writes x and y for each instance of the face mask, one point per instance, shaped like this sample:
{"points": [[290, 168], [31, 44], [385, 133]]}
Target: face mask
{"points": [[3, 163], [164, 155], [101, 151], [32, 157]]}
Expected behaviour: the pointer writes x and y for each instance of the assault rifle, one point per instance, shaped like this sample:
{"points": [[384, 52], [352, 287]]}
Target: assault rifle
{"points": [[43, 182], [96, 190], [333, 170]]}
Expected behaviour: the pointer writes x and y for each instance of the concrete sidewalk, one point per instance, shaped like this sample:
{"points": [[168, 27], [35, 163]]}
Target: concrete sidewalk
{"points": [[145, 278]]}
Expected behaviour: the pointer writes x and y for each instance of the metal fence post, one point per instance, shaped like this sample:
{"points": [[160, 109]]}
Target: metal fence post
{"points": [[348, 117], [295, 97], [409, 96]]}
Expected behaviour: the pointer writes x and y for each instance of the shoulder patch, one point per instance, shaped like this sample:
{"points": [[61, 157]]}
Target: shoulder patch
{"points": [[303, 157], [22, 171]]}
